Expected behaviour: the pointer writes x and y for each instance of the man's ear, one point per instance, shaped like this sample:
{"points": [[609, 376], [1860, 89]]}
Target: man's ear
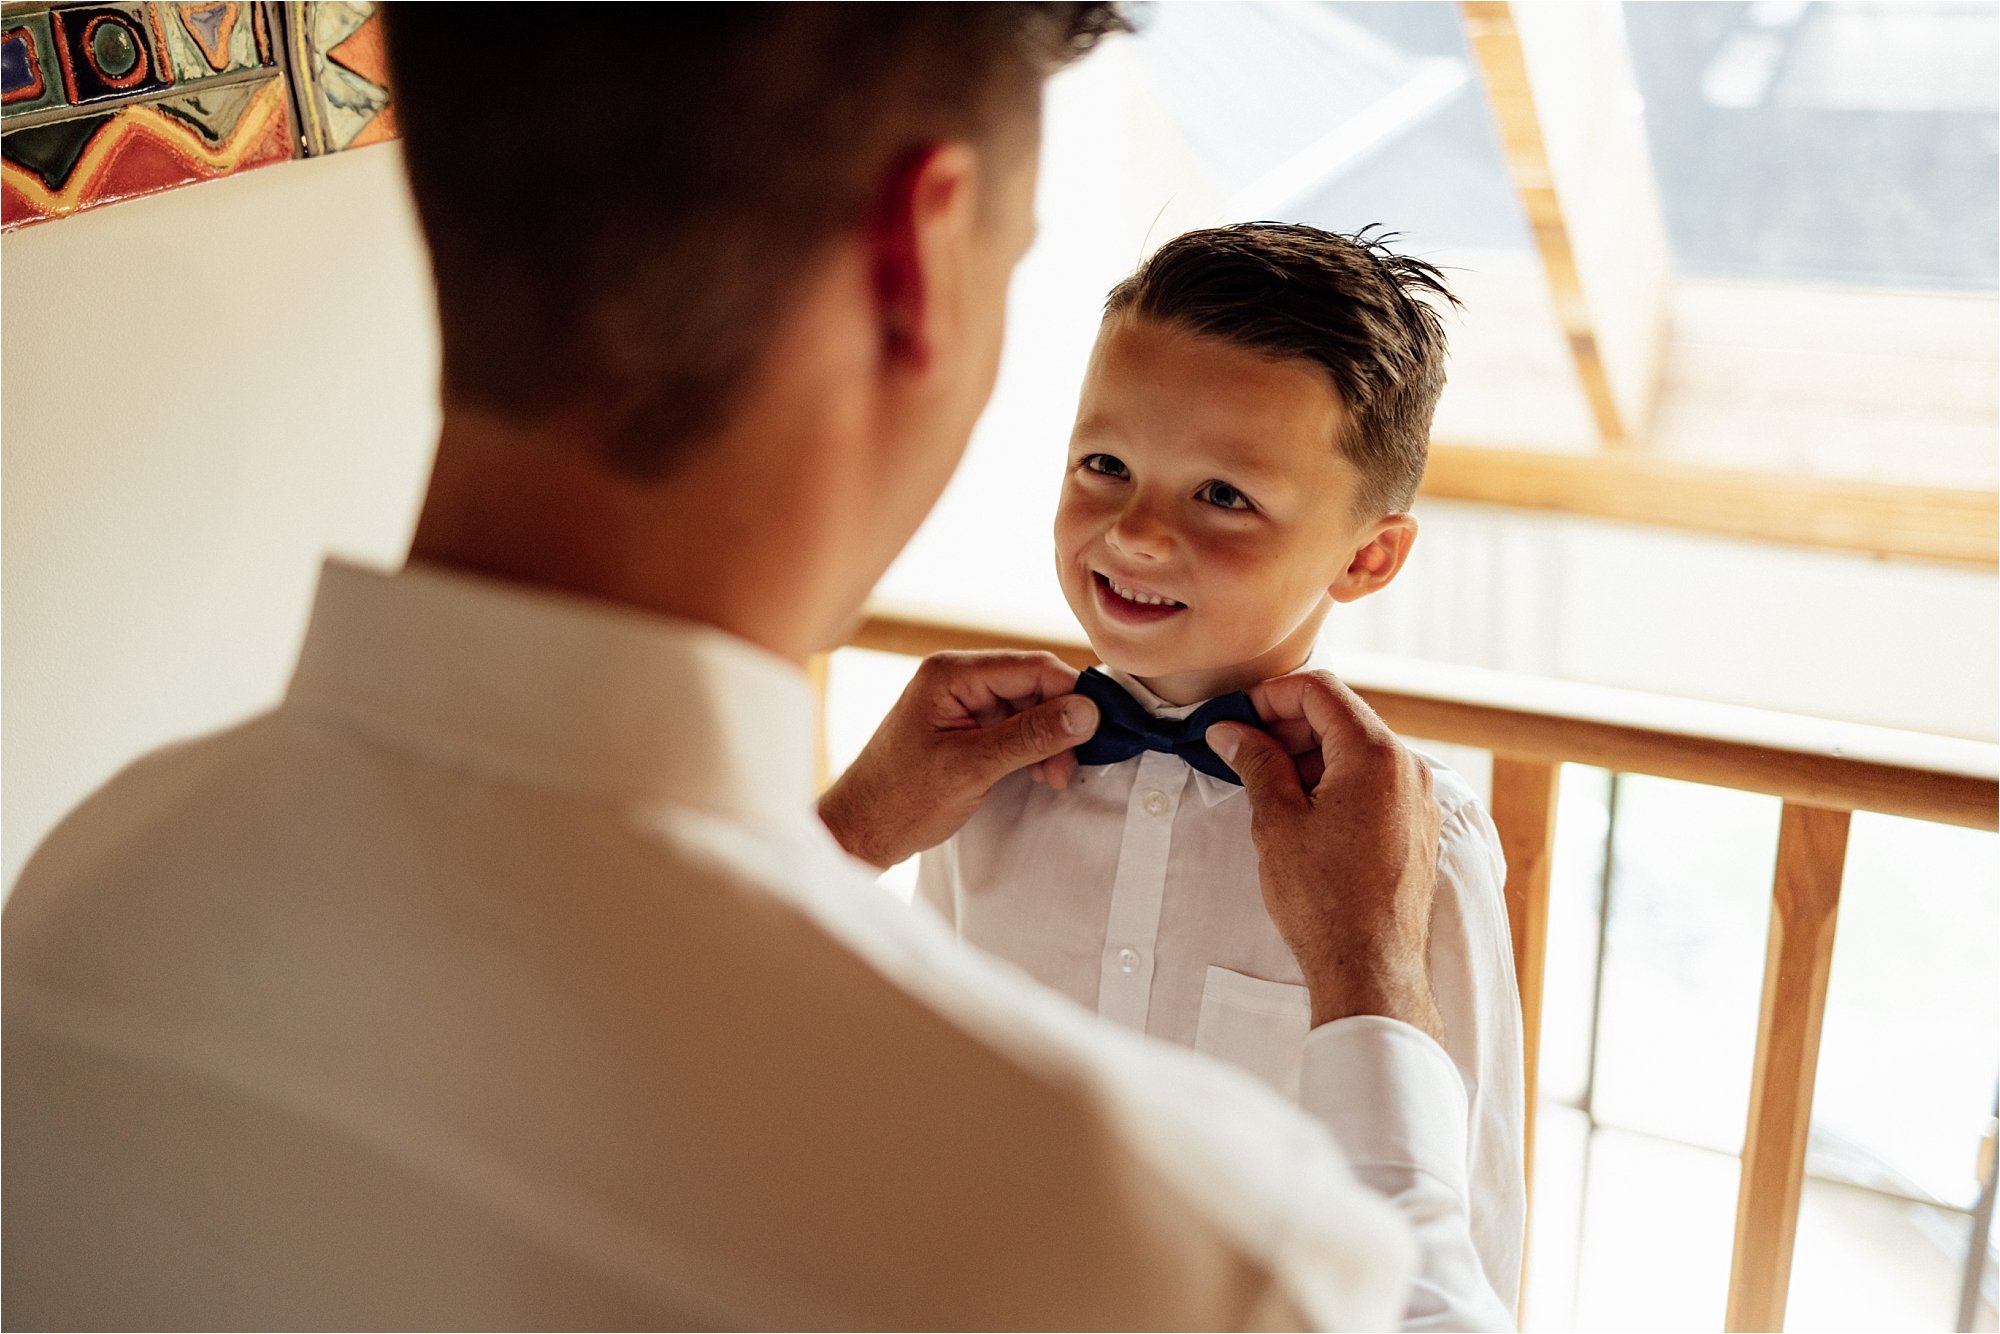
{"points": [[920, 226], [1376, 561]]}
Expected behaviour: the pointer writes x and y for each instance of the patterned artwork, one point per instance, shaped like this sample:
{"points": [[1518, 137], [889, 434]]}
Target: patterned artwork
{"points": [[338, 47], [103, 102]]}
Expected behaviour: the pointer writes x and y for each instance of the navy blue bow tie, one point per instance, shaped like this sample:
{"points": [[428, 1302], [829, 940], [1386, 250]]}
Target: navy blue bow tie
{"points": [[1125, 728]]}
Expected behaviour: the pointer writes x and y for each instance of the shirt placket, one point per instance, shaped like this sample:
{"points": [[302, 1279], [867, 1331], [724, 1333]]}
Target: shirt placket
{"points": [[1131, 937]]}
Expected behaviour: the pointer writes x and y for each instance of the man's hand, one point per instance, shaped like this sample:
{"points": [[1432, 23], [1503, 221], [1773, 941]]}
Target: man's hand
{"points": [[966, 721], [1347, 835]]}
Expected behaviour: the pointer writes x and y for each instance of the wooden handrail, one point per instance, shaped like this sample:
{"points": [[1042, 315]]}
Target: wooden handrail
{"points": [[1810, 761]]}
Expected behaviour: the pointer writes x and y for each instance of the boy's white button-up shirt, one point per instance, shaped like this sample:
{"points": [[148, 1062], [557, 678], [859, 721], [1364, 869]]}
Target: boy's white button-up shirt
{"points": [[503, 977], [1135, 893]]}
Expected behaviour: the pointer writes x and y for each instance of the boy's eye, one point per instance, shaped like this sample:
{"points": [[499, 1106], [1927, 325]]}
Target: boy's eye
{"points": [[1223, 496], [1105, 464]]}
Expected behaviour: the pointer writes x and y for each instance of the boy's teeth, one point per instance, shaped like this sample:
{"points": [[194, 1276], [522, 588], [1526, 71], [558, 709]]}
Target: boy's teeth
{"points": [[1134, 595]]}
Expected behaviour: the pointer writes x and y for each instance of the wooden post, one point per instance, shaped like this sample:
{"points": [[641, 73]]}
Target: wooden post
{"points": [[1798, 964], [1524, 811], [817, 672]]}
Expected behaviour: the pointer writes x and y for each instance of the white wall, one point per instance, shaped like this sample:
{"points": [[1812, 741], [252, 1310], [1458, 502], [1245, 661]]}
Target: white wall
{"points": [[1830, 634], [204, 392]]}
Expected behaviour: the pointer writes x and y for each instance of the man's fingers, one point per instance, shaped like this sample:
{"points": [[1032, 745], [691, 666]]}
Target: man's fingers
{"points": [[1316, 711], [1317, 698], [989, 686], [1266, 769], [1044, 731], [1296, 735]]}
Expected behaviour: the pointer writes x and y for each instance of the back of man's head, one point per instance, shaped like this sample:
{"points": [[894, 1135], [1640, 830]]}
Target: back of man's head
{"points": [[621, 200]]}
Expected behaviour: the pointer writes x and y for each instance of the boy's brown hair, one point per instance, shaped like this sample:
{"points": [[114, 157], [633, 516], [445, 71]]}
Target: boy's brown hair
{"points": [[620, 200], [1345, 303]]}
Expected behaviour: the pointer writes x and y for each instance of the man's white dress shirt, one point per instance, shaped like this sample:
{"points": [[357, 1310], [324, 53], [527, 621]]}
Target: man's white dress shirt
{"points": [[1135, 893], [502, 976]]}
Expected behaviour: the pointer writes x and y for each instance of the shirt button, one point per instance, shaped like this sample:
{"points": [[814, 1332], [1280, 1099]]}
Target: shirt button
{"points": [[1156, 803], [1128, 961]]}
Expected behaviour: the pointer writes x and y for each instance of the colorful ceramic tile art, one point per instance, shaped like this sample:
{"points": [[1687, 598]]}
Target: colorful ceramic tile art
{"points": [[103, 102], [343, 66]]}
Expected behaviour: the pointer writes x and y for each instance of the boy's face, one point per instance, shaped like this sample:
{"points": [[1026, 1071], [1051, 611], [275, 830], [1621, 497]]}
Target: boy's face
{"points": [[1208, 518]]}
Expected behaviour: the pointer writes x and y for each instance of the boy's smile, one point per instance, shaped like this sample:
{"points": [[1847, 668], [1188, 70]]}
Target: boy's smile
{"points": [[1209, 519], [1132, 602]]}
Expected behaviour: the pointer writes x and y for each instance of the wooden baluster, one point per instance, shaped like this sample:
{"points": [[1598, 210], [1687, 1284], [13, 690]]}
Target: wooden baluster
{"points": [[1798, 963], [817, 672], [1524, 811]]}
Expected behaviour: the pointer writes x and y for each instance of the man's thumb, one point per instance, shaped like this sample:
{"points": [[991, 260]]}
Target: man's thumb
{"points": [[1266, 770], [1049, 728]]}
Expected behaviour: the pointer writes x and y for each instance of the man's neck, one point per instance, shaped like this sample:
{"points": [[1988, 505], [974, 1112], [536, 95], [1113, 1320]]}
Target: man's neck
{"points": [[535, 505]]}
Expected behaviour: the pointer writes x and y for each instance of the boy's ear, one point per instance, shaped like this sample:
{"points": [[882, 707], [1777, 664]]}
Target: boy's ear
{"points": [[1377, 560]]}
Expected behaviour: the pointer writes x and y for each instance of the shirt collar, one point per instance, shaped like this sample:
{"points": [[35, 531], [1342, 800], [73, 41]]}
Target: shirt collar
{"points": [[1213, 790], [559, 689]]}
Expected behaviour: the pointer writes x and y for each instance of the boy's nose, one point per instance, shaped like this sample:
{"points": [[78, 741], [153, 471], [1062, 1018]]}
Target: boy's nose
{"points": [[1139, 532]]}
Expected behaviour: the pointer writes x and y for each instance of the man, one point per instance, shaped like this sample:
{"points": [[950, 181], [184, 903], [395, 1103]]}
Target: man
{"points": [[503, 975]]}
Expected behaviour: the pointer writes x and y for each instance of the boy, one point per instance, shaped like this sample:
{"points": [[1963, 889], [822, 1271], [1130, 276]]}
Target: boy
{"points": [[1252, 428]]}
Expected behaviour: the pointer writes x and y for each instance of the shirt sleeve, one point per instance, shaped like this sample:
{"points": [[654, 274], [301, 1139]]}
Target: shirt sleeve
{"points": [[1472, 975], [1395, 1103], [937, 878]]}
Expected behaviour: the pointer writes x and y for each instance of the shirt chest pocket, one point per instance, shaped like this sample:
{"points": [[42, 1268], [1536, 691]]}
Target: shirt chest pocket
{"points": [[1257, 1025]]}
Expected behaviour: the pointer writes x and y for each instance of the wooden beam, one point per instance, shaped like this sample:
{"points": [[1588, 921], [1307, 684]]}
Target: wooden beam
{"points": [[1922, 523], [1812, 761], [1559, 80], [1524, 811], [1798, 964], [1497, 46]]}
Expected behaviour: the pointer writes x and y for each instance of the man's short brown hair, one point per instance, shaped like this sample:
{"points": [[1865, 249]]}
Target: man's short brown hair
{"points": [[1345, 303], [620, 200]]}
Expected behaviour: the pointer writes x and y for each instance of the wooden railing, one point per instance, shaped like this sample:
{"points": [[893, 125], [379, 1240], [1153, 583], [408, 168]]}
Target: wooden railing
{"points": [[1822, 771]]}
